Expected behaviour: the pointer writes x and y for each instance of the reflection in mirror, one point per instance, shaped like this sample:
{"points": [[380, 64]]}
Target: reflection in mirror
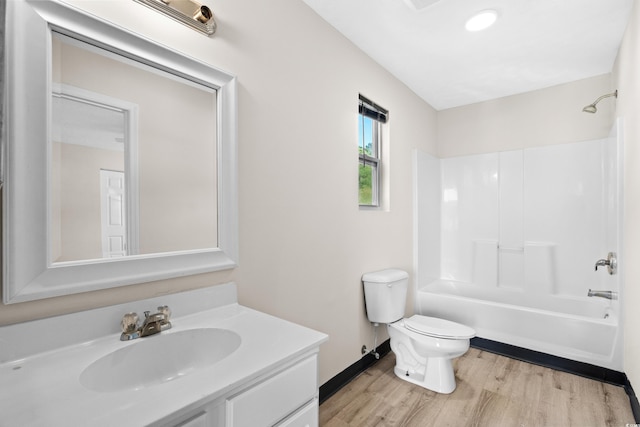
{"points": [[133, 157], [88, 196]]}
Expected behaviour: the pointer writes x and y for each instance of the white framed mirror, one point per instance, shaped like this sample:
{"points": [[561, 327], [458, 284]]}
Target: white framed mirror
{"points": [[119, 157]]}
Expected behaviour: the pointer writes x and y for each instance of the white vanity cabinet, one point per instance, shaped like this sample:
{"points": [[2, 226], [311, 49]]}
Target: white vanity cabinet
{"points": [[269, 380], [284, 397]]}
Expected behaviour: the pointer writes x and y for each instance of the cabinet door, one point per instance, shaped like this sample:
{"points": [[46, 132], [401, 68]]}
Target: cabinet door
{"points": [[274, 399], [305, 417]]}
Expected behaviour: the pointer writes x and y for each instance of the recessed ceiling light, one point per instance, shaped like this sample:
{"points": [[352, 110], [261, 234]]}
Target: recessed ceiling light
{"points": [[481, 20]]}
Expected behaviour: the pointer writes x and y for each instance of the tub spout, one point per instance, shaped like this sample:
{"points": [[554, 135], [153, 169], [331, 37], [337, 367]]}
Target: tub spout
{"points": [[603, 294]]}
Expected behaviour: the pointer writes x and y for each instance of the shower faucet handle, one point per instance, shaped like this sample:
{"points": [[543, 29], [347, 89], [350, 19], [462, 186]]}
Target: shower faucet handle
{"points": [[611, 262]]}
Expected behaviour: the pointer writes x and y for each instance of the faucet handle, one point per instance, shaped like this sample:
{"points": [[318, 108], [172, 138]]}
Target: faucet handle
{"points": [[164, 309], [129, 322], [611, 263]]}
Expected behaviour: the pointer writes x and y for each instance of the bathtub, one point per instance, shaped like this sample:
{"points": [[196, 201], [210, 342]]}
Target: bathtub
{"points": [[578, 328]]}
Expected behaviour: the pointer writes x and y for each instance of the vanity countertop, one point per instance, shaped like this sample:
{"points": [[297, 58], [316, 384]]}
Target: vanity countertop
{"points": [[44, 389]]}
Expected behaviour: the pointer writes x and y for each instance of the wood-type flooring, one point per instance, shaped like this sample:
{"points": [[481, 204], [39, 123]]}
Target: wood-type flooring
{"points": [[492, 390]]}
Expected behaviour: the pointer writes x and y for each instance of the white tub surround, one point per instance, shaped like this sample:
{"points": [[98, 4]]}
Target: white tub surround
{"points": [[535, 219], [506, 242], [270, 377]]}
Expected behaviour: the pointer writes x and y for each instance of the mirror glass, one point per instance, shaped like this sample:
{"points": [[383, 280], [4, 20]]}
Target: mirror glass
{"points": [[133, 157]]}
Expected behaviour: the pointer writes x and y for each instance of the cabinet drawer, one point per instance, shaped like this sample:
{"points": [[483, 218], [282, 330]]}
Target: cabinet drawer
{"points": [[305, 417], [275, 398]]}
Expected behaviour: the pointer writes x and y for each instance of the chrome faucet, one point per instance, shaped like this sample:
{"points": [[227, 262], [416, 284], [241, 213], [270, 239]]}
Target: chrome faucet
{"points": [[151, 325], [603, 294], [611, 263]]}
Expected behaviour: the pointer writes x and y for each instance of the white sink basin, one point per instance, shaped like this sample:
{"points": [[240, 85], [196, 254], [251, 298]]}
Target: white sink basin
{"points": [[159, 358]]}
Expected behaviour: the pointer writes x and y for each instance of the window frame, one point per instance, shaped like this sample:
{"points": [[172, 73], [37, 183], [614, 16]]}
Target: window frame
{"points": [[378, 116]]}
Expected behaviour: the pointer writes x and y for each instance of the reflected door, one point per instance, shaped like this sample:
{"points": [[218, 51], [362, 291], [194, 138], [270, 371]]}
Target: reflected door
{"points": [[114, 230]]}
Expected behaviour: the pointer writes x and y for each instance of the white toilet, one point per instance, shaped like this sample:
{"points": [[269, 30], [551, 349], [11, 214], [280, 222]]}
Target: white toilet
{"points": [[424, 346]]}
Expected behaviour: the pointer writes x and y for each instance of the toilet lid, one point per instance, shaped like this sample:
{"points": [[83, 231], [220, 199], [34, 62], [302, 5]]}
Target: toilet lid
{"points": [[438, 328]]}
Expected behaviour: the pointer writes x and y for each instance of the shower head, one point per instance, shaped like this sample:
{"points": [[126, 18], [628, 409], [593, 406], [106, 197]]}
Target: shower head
{"points": [[591, 108]]}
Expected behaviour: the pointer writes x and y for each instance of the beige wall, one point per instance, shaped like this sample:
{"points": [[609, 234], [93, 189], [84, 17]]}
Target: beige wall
{"points": [[550, 116], [627, 79], [542, 117], [304, 244]]}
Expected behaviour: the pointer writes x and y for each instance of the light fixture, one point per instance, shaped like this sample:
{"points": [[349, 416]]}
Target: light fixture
{"points": [[481, 20], [187, 12]]}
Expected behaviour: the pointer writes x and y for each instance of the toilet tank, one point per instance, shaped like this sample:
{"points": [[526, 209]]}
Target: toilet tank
{"points": [[385, 295]]}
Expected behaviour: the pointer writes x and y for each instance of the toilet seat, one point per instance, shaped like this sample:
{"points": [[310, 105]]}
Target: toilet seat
{"points": [[438, 328]]}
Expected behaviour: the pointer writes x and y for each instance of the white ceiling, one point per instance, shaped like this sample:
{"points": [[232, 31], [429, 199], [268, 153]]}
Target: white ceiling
{"points": [[534, 44]]}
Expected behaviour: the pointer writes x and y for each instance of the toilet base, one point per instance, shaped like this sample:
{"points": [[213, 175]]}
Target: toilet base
{"points": [[425, 360], [439, 376]]}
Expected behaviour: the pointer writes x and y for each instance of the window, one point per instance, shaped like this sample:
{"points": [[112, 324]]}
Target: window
{"points": [[371, 117]]}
